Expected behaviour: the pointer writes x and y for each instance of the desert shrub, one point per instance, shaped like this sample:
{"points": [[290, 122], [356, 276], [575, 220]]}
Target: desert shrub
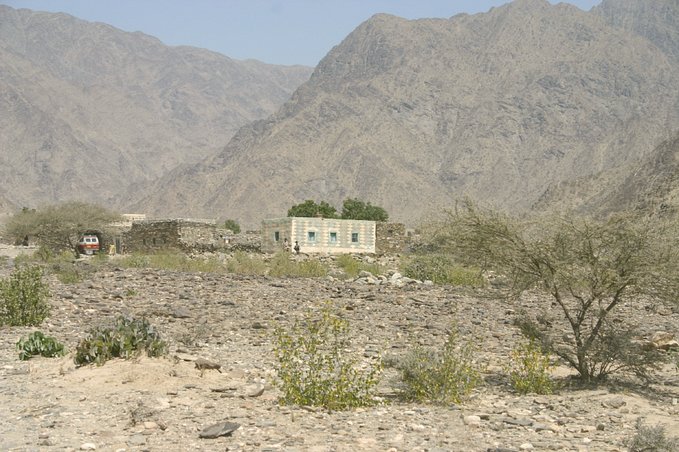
{"points": [[126, 338], [651, 439], [352, 267], [232, 225], [38, 344], [442, 269], [529, 369], [24, 297], [587, 268], [313, 366], [243, 264], [135, 260], [438, 376], [173, 260], [66, 272], [282, 265]]}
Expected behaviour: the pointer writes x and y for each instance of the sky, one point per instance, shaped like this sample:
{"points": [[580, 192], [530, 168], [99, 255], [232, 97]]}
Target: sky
{"points": [[273, 31]]}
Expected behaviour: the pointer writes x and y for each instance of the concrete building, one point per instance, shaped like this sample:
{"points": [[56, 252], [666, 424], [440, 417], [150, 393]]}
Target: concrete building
{"points": [[318, 235]]}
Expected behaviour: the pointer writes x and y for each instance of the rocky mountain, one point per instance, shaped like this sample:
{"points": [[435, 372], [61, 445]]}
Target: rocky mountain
{"points": [[649, 185], [89, 110], [413, 114]]}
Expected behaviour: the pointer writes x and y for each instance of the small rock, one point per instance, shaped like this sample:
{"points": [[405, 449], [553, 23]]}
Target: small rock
{"points": [[88, 446], [220, 429], [526, 446], [472, 420]]}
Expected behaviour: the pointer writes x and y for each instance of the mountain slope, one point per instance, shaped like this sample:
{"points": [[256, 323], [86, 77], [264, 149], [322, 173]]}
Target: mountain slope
{"points": [[412, 114], [89, 110]]}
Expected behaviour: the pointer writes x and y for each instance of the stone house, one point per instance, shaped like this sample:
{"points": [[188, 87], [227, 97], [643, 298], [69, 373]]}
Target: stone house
{"points": [[180, 234], [318, 235]]}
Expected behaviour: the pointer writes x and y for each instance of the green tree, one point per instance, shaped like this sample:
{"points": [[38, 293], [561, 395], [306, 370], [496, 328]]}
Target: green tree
{"points": [[586, 268], [232, 225], [58, 227], [309, 208], [355, 209]]}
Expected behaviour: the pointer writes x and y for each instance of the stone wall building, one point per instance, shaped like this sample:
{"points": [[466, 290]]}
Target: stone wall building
{"points": [[180, 234], [318, 235]]}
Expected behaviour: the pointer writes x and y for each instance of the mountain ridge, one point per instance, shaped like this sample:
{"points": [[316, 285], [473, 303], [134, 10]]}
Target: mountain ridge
{"points": [[413, 114], [93, 109]]}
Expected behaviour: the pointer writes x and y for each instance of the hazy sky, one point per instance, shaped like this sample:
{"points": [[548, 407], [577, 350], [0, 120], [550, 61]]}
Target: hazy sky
{"points": [[273, 31]]}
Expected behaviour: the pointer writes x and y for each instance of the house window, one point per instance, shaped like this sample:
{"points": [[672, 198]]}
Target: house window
{"points": [[333, 237], [276, 236], [354, 237], [311, 236]]}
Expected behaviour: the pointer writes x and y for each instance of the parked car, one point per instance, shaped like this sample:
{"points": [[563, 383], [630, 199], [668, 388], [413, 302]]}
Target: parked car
{"points": [[88, 244]]}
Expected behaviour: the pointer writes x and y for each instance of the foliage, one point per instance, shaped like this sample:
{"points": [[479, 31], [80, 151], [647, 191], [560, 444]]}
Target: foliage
{"points": [[442, 269], [23, 297], [282, 265], [125, 339], [440, 377], [232, 225], [651, 439], [587, 268], [171, 260], [529, 368], [58, 227], [38, 344], [355, 209], [243, 264], [313, 368], [309, 208], [352, 267]]}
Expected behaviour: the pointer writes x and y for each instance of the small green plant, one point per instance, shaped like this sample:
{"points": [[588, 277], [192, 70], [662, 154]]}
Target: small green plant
{"points": [[282, 265], [442, 269], [529, 369], [125, 339], [232, 225], [314, 369], [352, 267], [38, 344], [243, 264], [439, 377], [23, 297], [135, 260], [67, 273], [131, 292], [651, 439]]}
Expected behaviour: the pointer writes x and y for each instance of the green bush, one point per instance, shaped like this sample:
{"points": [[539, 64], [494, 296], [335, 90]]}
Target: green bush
{"points": [[282, 265], [314, 369], [529, 368], [439, 377], [23, 297], [651, 439], [38, 344], [352, 267], [232, 225], [135, 260], [125, 339], [442, 269], [173, 260], [243, 264]]}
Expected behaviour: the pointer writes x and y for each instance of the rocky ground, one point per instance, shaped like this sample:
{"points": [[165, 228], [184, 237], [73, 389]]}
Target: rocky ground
{"points": [[164, 404]]}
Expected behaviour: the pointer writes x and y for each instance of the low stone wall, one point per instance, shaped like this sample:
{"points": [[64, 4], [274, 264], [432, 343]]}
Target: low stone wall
{"points": [[185, 235], [391, 238]]}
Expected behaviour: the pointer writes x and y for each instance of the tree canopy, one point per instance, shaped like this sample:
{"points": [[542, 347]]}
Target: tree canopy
{"points": [[58, 227], [355, 209], [587, 268], [310, 208], [352, 209]]}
